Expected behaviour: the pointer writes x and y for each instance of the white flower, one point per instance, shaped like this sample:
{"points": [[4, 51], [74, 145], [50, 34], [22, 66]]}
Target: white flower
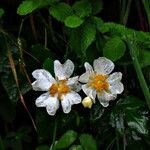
{"points": [[62, 89], [100, 82]]}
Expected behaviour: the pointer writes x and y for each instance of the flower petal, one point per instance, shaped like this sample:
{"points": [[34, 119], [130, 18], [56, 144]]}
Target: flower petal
{"points": [[115, 77], [66, 106], [116, 88], [41, 85], [52, 105], [63, 71], [89, 92], [103, 65], [104, 103], [73, 98], [41, 100], [74, 84], [85, 77], [43, 74], [105, 97]]}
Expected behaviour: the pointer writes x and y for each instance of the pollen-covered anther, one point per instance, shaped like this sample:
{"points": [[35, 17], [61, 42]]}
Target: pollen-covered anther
{"points": [[99, 82], [60, 88]]}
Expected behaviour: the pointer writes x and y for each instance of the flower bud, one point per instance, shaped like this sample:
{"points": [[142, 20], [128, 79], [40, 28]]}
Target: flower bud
{"points": [[87, 102]]}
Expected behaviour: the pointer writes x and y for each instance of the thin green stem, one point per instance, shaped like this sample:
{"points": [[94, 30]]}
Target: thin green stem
{"points": [[146, 5], [117, 141], [138, 70], [125, 9], [54, 135], [110, 145]]}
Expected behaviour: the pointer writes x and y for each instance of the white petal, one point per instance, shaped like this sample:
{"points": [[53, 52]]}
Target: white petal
{"points": [[41, 85], [41, 100], [74, 84], [73, 98], [104, 103], [72, 80], [89, 92], [115, 77], [63, 71], [116, 88], [105, 97], [66, 106], [43, 74], [52, 105], [89, 70], [103, 65]]}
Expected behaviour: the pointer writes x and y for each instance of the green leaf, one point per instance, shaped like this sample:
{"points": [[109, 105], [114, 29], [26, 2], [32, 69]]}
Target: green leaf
{"points": [[130, 103], [117, 121], [42, 147], [98, 22], [114, 49], [137, 121], [49, 65], [73, 21], [96, 112], [66, 140], [40, 52], [76, 147], [82, 37], [129, 111], [82, 8], [29, 6], [144, 60], [88, 142], [6, 76], [97, 6], [1, 12], [61, 11]]}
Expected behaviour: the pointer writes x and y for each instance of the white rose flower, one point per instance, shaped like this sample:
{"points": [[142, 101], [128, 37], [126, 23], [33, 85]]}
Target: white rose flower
{"points": [[60, 89], [100, 82]]}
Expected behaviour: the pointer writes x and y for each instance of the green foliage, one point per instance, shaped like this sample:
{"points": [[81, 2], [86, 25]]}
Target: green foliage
{"points": [[127, 111], [114, 48], [144, 60], [97, 6], [76, 147], [88, 142], [75, 30], [28, 6], [73, 21], [1, 12], [82, 8], [60, 11], [48, 65], [87, 33], [66, 140], [42, 147]]}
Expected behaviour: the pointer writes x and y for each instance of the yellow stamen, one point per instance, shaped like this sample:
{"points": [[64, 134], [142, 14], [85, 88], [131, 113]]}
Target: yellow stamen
{"points": [[99, 82], [60, 88]]}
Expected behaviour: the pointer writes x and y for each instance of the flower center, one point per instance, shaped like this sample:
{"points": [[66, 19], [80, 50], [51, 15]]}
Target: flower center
{"points": [[98, 82], [61, 88]]}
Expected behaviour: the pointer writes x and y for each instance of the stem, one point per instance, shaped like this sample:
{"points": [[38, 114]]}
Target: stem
{"points": [[111, 143], [54, 135], [125, 19], [146, 4], [117, 141], [138, 70], [125, 9]]}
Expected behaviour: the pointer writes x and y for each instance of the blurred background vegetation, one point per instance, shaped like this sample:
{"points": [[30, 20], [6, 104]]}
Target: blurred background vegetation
{"points": [[34, 33]]}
